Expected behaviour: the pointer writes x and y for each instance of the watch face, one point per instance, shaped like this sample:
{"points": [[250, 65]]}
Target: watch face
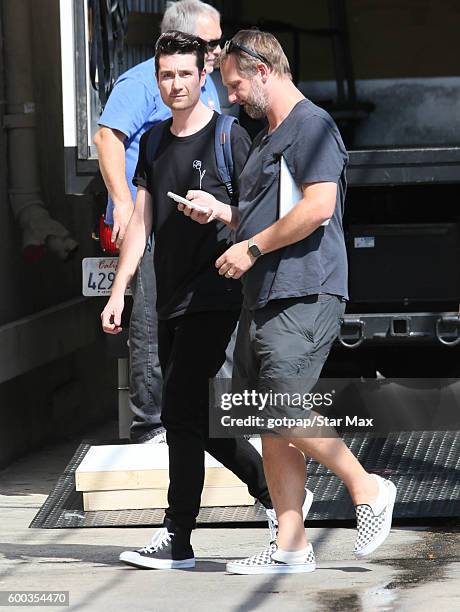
{"points": [[255, 251]]}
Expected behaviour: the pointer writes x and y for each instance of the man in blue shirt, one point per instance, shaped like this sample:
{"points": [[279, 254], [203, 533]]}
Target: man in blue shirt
{"points": [[134, 106]]}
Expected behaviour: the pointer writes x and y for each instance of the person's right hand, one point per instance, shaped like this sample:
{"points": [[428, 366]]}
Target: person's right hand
{"points": [[121, 216], [111, 315]]}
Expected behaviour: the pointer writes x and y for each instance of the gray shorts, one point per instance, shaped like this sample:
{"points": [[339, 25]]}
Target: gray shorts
{"points": [[282, 347]]}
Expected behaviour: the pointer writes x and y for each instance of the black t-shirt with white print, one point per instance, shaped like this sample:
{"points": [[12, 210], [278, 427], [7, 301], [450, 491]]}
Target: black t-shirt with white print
{"points": [[185, 252]]}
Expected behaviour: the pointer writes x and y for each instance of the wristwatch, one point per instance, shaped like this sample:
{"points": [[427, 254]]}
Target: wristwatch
{"points": [[254, 249]]}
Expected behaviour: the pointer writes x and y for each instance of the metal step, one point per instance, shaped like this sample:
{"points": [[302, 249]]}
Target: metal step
{"points": [[424, 466]]}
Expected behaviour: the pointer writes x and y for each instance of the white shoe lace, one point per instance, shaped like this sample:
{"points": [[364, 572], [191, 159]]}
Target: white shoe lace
{"points": [[272, 523], [160, 538]]}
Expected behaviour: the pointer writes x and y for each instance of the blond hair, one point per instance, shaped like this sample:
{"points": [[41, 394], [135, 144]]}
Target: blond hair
{"points": [[262, 43]]}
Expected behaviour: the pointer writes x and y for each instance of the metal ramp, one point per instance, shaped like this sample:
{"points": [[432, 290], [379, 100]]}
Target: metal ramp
{"points": [[425, 467]]}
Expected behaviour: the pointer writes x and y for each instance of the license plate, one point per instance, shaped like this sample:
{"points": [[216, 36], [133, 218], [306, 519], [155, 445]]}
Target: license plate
{"points": [[98, 274]]}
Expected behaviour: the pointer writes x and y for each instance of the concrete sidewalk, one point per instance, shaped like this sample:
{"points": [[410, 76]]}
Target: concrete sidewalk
{"points": [[417, 567]]}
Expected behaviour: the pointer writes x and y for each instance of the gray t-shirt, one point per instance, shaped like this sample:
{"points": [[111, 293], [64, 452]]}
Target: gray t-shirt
{"points": [[311, 144]]}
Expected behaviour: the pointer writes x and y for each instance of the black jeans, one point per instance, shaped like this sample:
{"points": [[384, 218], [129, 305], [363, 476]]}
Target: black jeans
{"points": [[191, 348]]}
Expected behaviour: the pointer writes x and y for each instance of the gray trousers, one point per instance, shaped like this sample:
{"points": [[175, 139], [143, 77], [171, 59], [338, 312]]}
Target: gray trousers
{"points": [[145, 380], [282, 347]]}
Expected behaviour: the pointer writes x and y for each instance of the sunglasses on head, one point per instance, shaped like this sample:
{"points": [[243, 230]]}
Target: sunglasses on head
{"points": [[231, 46]]}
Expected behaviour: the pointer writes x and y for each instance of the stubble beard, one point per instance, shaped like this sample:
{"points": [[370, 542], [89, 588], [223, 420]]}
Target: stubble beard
{"points": [[256, 106]]}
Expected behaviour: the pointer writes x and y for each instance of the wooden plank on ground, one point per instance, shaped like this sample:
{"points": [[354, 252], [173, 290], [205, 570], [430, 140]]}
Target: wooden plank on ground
{"points": [[140, 466], [140, 499]]}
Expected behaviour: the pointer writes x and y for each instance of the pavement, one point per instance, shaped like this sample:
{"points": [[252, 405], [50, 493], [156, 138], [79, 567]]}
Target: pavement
{"points": [[416, 568]]}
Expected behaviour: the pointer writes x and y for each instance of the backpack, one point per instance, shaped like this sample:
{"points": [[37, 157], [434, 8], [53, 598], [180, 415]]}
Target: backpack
{"points": [[222, 147]]}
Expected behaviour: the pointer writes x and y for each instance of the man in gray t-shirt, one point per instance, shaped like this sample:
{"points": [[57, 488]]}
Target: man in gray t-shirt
{"points": [[313, 150], [294, 275]]}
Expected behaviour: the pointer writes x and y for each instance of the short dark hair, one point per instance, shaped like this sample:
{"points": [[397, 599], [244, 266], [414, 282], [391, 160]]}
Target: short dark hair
{"points": [[173, 42]]}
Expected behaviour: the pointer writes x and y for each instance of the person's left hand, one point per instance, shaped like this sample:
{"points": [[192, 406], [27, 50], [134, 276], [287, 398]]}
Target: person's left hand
{"points": [[206, 201], [235, 261]]}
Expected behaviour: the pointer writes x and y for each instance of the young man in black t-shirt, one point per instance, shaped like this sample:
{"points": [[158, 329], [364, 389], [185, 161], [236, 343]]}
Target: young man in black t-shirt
{"points": [[197, 309]]}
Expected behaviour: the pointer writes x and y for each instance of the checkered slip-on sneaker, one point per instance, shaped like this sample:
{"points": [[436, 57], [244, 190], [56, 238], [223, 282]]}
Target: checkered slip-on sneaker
{"points": [[166, 550], [158, 438], [264, 563], [374, 520], [273, 521]]}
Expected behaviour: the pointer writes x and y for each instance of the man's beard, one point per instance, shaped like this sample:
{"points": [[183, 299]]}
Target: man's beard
{"points": [[256, 105]]}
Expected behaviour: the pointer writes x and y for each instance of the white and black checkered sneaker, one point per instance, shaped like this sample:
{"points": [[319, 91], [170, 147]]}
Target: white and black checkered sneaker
{"points": [[263, 563], [374, 520]]}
